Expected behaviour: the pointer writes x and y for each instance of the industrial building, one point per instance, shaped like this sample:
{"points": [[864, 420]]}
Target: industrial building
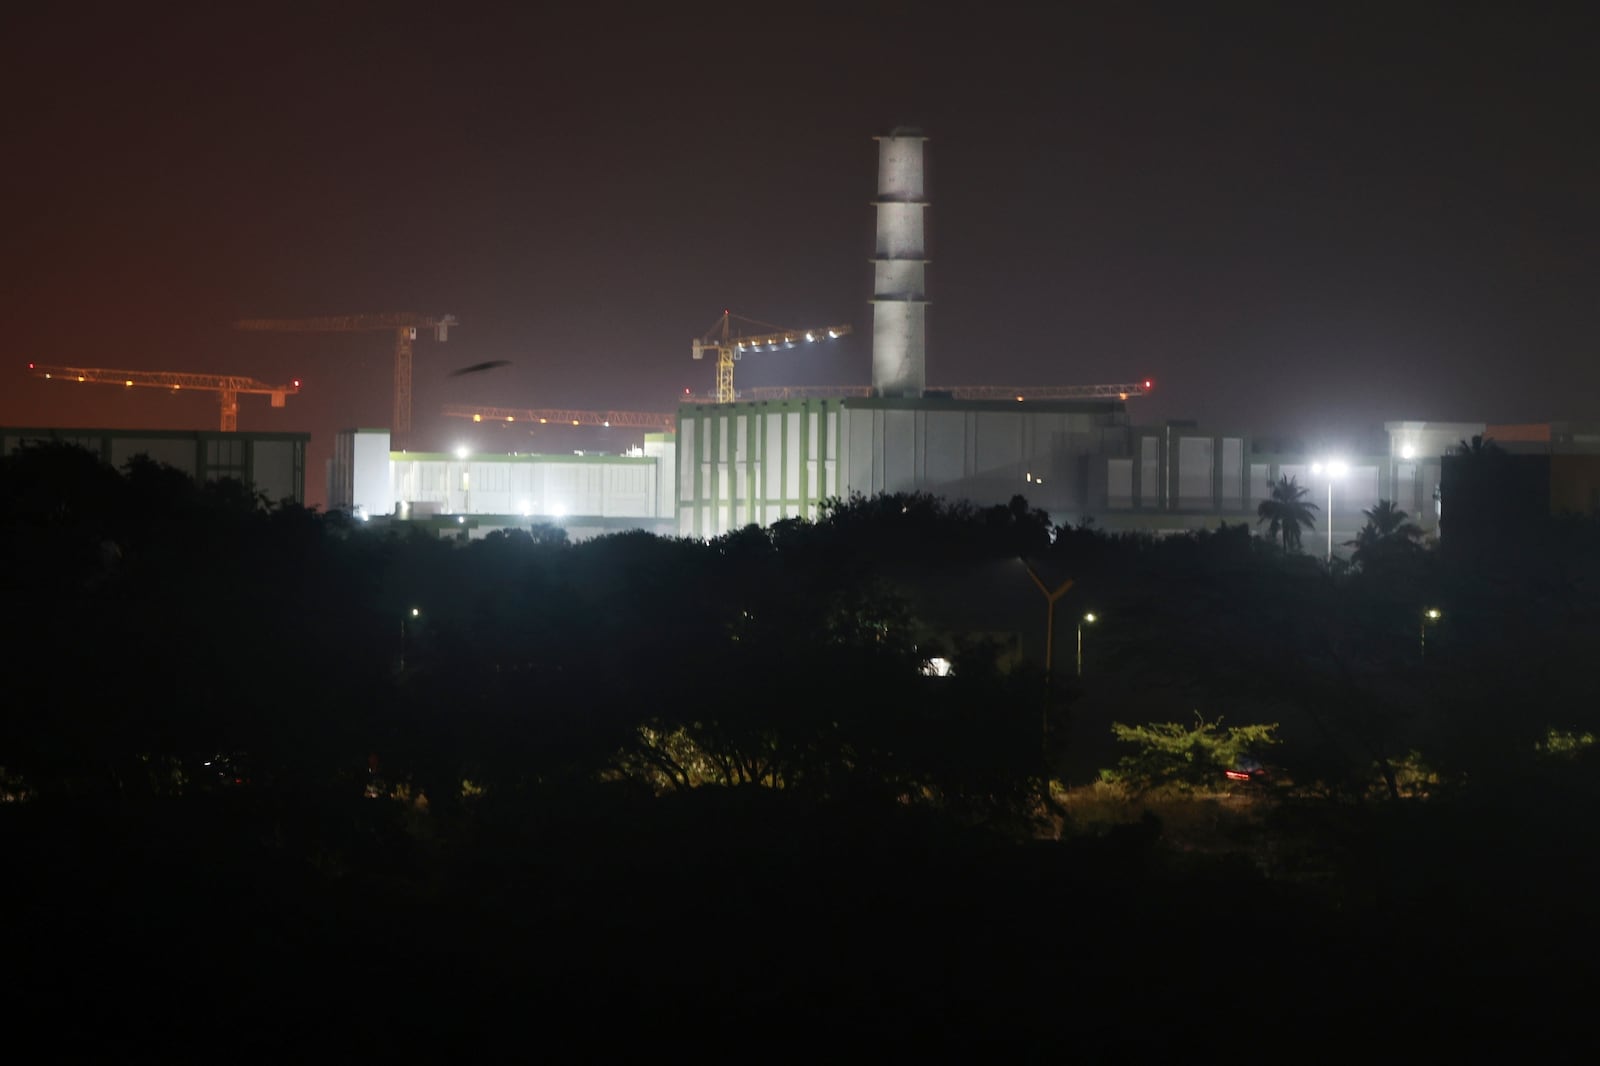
{"points": [[586, 495], [1072, 451], [733, 459], [1078, 459], [274, 464]]}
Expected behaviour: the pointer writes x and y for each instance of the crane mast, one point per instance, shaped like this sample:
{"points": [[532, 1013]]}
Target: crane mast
{"points": [[729, 347], [404, 326], [226, 386]]}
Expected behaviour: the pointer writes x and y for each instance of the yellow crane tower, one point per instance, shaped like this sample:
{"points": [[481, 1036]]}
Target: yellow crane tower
{"points": [[226, 386], [404, 326], [766, 338]]}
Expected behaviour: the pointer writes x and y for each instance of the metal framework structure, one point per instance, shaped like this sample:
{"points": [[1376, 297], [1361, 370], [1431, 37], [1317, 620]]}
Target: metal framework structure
{"points": [[1018, 393], [769, 338], [1126, 391], [404, 326], [226, 386], [554, 416]]}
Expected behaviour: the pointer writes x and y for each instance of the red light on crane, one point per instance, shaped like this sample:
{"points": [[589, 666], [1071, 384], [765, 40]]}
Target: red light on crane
{"points": [[1148, 383], [297, 383]]}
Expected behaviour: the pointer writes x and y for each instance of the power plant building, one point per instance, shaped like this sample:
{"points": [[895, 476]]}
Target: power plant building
{"points": [[735, 464], [273, 464], [585, 494], [746, 463]]}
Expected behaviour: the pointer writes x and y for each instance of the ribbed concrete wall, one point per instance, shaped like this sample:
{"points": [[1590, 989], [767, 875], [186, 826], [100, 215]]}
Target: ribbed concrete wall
{"points": [[899, 295]]}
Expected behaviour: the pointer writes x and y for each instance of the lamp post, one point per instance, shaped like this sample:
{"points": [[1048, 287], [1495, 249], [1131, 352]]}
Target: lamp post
{"points": [[1334, 469], [1050, 618], [1088, 619], [1049, 652], [463, 453], [1432, 614], [414, 613]]}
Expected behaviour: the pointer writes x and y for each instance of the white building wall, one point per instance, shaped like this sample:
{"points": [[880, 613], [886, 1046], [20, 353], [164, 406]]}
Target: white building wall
{"points": [[371, 480], [761, 463], [554, 487]]}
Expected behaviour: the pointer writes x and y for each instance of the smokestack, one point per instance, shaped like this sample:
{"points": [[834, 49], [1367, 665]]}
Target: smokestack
{"points": [[899, 298]]}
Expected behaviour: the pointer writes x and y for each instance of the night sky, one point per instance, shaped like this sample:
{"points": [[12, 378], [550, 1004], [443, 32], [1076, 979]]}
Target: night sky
{"points": [[1294, 221]]}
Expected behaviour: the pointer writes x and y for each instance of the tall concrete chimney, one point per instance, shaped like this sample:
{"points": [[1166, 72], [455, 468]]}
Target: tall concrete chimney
{"points": [[899, 298]]}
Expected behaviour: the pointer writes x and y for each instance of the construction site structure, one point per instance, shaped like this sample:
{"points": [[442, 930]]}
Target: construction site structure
{"points": [[404, 326], [1019, 393], [899, 268], [557, 417], [766, 337], [226, 386]]}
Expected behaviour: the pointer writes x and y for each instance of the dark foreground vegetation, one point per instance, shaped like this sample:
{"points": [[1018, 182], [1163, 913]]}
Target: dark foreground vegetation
{"points": [[642, 797]]}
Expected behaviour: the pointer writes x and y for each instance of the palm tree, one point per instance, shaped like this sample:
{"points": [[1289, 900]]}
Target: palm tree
{"points": [[1480, 446], [1387, 532], [1287, 512]]}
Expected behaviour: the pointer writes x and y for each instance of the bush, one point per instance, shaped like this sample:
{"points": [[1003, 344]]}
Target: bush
{"points": [[1170, 755]]}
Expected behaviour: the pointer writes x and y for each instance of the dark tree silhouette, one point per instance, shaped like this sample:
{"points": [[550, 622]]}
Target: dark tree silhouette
{"points": [[1387, 534], [1286, 512]]}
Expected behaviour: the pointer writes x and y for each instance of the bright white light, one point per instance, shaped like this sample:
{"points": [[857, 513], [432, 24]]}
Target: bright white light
{"points": [[810, 337], [559, 512], [1338, 468], [1316, 468], [461, 518], [832, 335], [1408, 451], [936, 667], [1090, 617], [462, 451], [527, 508], [415, 612]]}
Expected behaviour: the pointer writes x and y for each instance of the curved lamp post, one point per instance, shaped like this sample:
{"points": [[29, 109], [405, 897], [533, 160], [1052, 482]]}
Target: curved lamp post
{"points": [[1049, 651], [1050, 620]]}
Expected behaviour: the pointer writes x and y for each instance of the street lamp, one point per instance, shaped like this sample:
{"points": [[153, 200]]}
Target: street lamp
{"points": [[1335, 469], [1432, 614], [414, 614], [463, 453], [1050, 619], [1049, 652], [1088, 619]]}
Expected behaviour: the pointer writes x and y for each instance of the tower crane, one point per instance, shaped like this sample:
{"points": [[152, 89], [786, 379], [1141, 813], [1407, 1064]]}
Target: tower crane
{"points": [[404, 326], [767, 337], [1019, 393], [226, 386], [562, 417]]}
